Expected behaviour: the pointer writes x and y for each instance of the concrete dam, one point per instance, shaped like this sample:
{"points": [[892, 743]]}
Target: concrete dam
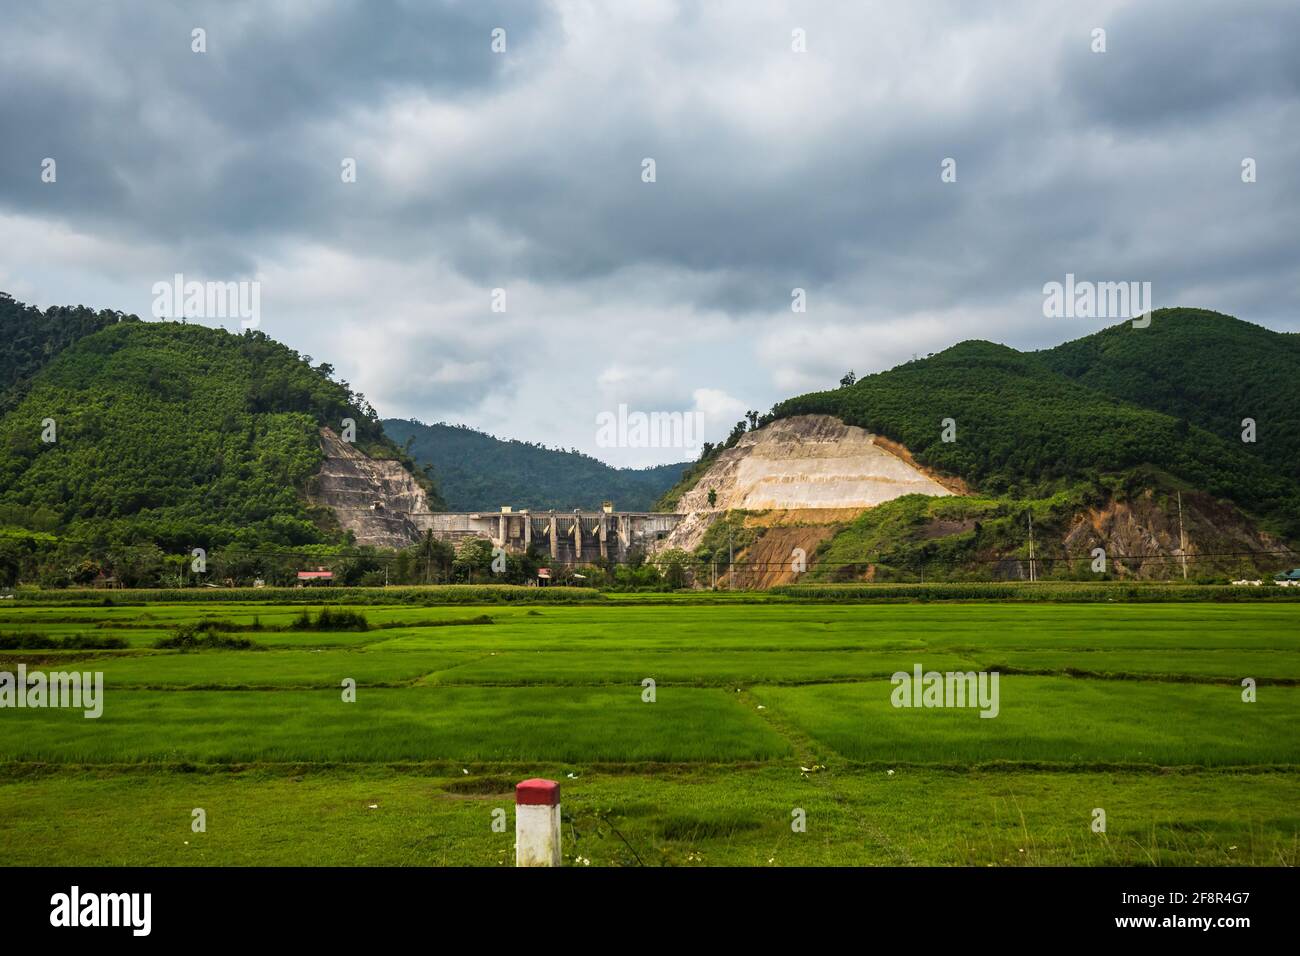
{"points": [[568, 537]]}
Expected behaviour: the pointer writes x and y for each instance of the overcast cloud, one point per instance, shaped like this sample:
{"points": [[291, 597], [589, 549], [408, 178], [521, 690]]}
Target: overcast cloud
{"points": [[522, 170]]}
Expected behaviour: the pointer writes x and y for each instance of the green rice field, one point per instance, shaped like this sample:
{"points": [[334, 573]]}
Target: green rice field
{"points": [[759, 710]]}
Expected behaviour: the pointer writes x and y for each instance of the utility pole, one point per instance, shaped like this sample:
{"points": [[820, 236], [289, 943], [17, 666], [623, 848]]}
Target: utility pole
{"points": [[1032, 576], [1182, 539], [731, 562]]}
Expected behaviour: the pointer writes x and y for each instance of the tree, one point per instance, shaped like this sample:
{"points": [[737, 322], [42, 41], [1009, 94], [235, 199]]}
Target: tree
{"points": [[473, 562], [673, 564], [138, 565], [713, 497], [848, 379]]}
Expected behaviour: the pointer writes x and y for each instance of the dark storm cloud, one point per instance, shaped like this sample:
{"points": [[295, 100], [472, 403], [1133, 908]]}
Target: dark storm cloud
{"points": [[1183, 65], [775, 170], [233, 144], [148, 134]]}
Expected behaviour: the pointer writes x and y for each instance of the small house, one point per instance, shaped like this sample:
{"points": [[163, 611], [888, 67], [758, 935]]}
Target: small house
{"points": [[319, 576]]}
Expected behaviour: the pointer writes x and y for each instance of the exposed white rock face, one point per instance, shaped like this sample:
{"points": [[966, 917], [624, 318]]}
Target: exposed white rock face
{"points": [[372, 499], [804, 467], [808, 461]]}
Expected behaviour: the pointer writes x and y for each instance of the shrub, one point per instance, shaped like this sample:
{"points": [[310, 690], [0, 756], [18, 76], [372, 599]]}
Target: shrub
{"points": [[331, 619], [196, 637], [72, 642]]}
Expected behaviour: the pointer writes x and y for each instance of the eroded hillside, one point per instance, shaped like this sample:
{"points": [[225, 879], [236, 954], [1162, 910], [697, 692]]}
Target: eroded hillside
{"points": [[1135, 522], [371, 498]]}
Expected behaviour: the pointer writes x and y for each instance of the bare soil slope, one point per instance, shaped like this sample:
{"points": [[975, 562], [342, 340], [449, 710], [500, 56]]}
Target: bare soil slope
{"points": [[808, 461], [371, 498], [811, 469]]}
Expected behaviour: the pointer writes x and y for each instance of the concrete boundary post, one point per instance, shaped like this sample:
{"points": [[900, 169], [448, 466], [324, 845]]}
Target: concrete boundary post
{"points": [[537, 823]]}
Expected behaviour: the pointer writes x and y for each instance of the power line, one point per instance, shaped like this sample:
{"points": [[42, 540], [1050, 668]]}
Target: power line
{"points": [[1038, 559], [390, 556]]}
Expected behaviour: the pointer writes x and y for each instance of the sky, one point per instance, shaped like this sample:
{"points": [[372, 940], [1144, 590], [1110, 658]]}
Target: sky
{"points": [[795, 145]]}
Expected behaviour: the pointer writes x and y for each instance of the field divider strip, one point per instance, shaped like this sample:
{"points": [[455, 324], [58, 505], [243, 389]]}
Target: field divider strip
{"points": [[802, 743], [1138, 676], [423, 679], [16, 771]]}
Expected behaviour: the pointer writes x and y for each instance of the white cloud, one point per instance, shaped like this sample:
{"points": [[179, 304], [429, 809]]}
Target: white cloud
{"points": [[719, 409]]}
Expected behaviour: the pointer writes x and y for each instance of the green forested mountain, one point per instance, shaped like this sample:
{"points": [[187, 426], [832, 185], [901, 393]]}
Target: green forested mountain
{"points": [[477, 471], [126, 441], [176, 436], [1023, 428], [1206, 368], [30, 338]]}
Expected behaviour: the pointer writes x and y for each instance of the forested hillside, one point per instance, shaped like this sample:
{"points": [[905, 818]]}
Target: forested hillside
{"points": [[177, 436], [30, 338], [1022, 429], [1206, 368], [477, 471]]}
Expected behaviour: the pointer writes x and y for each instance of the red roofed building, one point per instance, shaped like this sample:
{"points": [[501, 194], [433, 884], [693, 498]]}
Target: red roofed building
{"points": [[319, 576]]}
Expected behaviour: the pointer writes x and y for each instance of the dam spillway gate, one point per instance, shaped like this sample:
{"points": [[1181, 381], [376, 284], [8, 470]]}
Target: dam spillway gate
{"points": [[569, 537]]}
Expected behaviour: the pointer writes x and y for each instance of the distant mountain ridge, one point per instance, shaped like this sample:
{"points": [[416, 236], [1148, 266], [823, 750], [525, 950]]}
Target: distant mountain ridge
{"points": [[476, 471]]}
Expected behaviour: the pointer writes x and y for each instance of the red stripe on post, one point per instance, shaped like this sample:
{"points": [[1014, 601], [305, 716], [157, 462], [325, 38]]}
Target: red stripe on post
{"points": [[537, 793]]}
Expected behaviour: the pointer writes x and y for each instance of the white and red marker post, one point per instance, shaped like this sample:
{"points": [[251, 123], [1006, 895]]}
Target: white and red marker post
{"points": [[537, 823]]}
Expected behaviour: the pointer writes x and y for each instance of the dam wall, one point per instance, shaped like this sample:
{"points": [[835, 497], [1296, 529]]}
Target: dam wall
{"points": [[569, 537]]}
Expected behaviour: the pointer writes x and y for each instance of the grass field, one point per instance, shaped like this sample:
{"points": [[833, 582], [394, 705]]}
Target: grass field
{"points": [[760, 709]]}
